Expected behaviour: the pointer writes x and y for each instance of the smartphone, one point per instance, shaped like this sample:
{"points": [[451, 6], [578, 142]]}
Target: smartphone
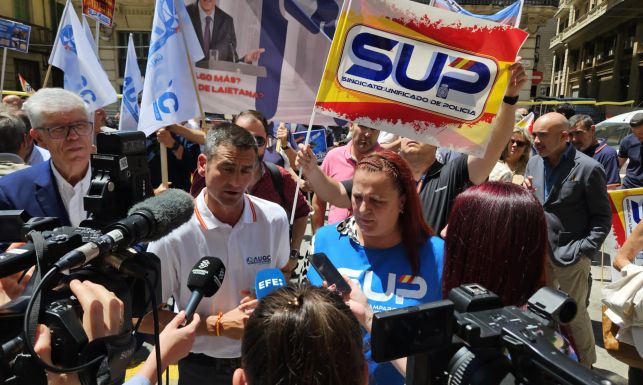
{"points": [[411, 330], [329, 273]]}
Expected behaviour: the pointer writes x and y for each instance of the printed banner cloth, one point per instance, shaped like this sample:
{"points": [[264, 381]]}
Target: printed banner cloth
{"points": [[282, 83], [419, 71], [627, 210]]}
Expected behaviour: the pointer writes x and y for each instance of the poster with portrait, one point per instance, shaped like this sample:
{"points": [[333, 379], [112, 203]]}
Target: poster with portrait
{"points": [[267, 55]]}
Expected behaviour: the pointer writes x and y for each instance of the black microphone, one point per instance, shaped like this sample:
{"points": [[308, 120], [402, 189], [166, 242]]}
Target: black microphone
{"points": [[204, 280], [146, 221]]}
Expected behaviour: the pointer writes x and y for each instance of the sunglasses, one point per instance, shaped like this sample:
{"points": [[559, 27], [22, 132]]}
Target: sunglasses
{"points": [[518, 143], [261, 141]]}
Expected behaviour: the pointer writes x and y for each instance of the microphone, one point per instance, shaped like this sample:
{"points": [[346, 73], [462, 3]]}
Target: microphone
{"points": [[204, 280], [267, 281], [146, 221]]}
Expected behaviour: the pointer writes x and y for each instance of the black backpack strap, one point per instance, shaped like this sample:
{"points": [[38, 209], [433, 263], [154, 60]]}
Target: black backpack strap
{"points": [[278, 182]]}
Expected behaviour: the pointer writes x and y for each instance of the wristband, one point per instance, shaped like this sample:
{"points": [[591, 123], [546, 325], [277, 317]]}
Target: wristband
{"points": [[511, 100], [217, 325]]}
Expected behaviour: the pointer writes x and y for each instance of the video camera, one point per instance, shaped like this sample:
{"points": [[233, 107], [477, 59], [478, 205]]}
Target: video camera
{"points": [[471, 338], [99, 252]]}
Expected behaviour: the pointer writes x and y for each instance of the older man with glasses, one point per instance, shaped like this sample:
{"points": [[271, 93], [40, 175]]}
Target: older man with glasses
{"points": [[60, 123]]}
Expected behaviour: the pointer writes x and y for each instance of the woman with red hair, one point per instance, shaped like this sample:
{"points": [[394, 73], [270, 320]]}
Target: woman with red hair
{"points": [[497, 237], [385, 245]]}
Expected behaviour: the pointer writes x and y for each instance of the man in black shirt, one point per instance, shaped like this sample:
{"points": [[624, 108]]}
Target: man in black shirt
{"points": [[437, 184]]}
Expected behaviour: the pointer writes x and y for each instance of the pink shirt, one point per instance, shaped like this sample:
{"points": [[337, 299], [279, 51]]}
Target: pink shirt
{"points": [[340, 164]]}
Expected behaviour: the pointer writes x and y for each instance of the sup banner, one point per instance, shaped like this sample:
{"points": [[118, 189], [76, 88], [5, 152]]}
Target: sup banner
{"points": [[419, 71]]}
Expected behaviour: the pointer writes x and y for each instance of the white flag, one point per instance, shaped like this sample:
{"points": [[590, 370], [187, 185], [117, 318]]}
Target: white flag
{"points": [[88, 33], [132, 86], [168, 93], [73, 54]]}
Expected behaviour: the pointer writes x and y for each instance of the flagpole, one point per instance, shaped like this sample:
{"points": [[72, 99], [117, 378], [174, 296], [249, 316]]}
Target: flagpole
{"points": [[164, 174], [345, 6], [44, 84], [4, 63]]}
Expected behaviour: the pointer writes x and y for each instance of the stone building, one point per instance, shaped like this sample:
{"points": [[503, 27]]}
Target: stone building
{"points": [[597, 50]]}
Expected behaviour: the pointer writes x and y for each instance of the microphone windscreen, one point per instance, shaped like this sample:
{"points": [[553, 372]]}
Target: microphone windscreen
{"points": [[267, 281], [169, 210], [207, 276]]}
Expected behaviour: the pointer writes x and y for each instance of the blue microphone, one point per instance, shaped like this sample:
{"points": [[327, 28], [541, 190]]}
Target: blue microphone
{"points": [[267, 281]]}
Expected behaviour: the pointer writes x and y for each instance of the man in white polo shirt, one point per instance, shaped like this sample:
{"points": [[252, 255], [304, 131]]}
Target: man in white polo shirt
{"points": [[248, 234]]}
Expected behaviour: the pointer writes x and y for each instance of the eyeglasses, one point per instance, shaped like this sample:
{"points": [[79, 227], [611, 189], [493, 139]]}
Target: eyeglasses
{"points": [[518, 143], [62, 131], [261, 141]]}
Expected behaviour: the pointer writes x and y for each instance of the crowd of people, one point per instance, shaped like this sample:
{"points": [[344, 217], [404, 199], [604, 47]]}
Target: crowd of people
{"points": [[406, 225]]}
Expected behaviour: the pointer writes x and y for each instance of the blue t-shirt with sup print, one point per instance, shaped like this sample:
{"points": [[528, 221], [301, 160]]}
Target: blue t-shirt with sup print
{"points": [[385, 277]]}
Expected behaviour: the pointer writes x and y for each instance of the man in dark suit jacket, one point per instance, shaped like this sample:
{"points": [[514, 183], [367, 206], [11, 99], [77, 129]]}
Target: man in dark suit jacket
{"points": [[222, 36], [55, 188], [571, 186]]}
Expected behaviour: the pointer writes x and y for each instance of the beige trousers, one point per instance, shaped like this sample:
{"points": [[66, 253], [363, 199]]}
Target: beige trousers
{"points": [[573, 280]]}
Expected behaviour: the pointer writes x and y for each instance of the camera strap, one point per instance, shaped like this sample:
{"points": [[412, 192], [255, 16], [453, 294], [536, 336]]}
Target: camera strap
{"points": [[116, 351], [40, 247]]}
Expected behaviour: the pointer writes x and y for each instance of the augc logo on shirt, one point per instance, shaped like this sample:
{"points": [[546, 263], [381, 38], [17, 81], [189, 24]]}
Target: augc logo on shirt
{"points": [[259, 260]]}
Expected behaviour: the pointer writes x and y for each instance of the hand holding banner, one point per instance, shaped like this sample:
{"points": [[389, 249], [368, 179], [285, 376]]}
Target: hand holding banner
{"points": [[419, 72]]}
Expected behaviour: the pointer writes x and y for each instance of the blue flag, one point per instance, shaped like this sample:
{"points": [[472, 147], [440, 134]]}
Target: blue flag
{"points": [[509, 15], [73, 54], [132, 86], [88, 33], [169, 95]]}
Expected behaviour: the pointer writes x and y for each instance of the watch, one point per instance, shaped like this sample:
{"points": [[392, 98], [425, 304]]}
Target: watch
{"points": [[511, 100], [294, 255], [175, 146]]}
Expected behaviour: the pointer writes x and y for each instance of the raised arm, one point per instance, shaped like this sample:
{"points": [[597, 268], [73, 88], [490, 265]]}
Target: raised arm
{"points": [[326, 188], [479, 168]]}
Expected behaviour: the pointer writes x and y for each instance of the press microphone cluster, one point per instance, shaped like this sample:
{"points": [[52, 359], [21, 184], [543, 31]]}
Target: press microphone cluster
{"points": [[204, 280], [147, 221]]}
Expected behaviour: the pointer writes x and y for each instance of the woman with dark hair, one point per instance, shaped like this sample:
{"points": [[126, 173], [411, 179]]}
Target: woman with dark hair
{"points": [[497, 237], [385, 245], [302, 335]]}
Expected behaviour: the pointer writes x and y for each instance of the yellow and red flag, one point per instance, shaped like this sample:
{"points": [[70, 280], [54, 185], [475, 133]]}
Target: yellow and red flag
{"points": [[627, 211], [418, 71]]}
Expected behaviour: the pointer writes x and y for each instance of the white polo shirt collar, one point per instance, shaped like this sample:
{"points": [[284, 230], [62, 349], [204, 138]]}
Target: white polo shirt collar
{"points": [[209, 221]]}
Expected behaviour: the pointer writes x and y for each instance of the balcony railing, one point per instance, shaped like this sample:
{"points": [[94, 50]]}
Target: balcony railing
{"points": [[579, 24]]}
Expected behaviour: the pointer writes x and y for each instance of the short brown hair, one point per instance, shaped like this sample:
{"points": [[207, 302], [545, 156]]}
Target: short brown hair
{"points": [[304, 335]]}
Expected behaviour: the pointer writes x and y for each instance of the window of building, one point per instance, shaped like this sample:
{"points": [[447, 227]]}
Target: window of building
{"points": [[609, 47], [141, 45], [21, 10]]}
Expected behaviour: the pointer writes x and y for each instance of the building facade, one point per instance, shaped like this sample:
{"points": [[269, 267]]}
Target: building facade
{"points": [[597, 50], [536, 19]]}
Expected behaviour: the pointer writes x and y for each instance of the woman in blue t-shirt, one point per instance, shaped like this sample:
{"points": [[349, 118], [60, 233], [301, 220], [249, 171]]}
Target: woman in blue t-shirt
{"points": [[386, 245]]}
